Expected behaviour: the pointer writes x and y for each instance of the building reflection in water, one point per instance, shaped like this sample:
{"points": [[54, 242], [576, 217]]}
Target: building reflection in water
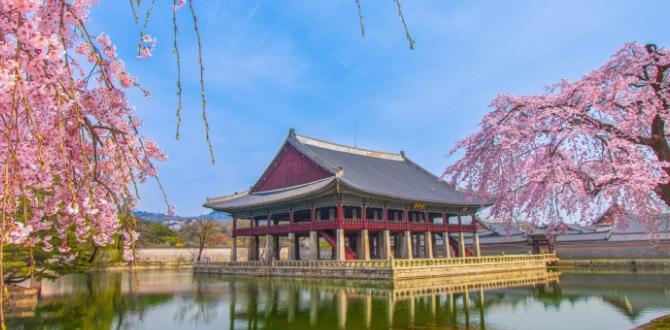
{"points": [[179, 300], [290, 303]]}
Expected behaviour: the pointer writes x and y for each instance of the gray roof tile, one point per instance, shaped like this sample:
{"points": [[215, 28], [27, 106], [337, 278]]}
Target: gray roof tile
{"points": [[246, 199], [377, 173]]}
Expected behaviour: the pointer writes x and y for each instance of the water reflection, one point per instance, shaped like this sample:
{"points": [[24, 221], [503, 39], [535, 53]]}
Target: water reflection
{"points": [[178, 300]]}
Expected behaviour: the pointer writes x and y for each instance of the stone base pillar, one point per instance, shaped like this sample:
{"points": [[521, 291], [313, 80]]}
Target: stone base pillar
{"points": [[297, 247], [252, 248], [269, 245], [428, 245], [386, 245], [406, 245], [292, 248], [447, 249], [475, 242], [363, 245], [233, 249], [314, 245], [339, 246], [277, 247], [461, 245]]}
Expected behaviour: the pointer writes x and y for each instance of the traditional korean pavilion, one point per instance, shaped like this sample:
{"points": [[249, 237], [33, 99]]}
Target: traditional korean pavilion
{"points": [[366, 204]]}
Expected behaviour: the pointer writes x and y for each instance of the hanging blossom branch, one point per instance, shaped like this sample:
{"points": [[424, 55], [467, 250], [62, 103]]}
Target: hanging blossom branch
{"points": [[71, 155], [202, 82], [361, 22], [175, 50], [404, 25], [360, 17]]}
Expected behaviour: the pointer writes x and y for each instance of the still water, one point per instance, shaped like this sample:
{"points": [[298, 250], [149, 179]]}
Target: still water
{"points": [[180, 300]]}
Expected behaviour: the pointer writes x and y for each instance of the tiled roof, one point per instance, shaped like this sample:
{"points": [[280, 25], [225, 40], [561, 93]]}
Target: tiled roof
{"points": [[377, 173], [380, 173], [580, 237], [635, 225], [246, 199], [501, 228]]}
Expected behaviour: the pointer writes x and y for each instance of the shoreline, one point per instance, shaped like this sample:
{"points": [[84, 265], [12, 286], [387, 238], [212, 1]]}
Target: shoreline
{"points": [[658, 323]]}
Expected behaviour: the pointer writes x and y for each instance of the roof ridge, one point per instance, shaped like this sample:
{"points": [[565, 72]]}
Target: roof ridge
{"points": [[348, 149]]}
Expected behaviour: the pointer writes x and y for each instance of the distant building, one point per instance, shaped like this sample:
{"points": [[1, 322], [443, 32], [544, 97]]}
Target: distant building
{"points": [[627, 238]]}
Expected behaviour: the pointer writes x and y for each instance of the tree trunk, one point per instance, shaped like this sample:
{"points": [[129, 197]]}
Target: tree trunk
{"points": [[659, 144], [202, 247]]}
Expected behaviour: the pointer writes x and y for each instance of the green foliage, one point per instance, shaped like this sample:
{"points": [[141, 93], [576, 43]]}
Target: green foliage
{"points": [[156, 234], [21, 263]]}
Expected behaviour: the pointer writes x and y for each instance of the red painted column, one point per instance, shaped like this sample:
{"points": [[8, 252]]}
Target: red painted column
{"points": [[312, 216], [290, 220], [364, 215], [234, 226], [445, 221], [268, 222], [474, 223], [340, 215], [405, 218], [385, 216]]}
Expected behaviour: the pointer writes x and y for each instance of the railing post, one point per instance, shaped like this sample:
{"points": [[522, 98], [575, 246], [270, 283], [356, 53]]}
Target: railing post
{"points": [[461, 238]]}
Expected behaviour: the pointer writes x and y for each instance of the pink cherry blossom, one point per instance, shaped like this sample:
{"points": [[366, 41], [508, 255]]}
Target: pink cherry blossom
{"points": [[71, 152], [579, 148]]}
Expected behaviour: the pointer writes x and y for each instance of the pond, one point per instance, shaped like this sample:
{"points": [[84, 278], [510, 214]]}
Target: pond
{"points": [[181, 300]]}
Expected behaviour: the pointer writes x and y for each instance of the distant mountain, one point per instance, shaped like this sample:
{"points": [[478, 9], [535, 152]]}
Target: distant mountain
{"points": [[161, 217]]}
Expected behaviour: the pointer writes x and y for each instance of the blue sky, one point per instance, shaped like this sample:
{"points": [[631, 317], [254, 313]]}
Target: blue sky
{"points": [[275, 65]]}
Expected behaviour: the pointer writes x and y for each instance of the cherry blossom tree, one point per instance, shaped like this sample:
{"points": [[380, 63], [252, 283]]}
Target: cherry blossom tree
{"points": [[71, 154], [578, 148]]}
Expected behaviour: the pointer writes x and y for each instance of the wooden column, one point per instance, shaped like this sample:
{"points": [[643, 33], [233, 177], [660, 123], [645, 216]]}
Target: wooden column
{"points": [[386, 245], [340, 215], [276, 249], [475, 241], [292, 246], [363, 245], [314, 245], [268, 239], [269, 244], [407, 245], [445, 236], [364, 215], [339, 246], [252, 243], [461, 238], [233, 248], [428, 245]]}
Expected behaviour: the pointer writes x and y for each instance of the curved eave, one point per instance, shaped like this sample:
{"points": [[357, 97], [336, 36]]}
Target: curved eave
{"points": [[296, 193]]}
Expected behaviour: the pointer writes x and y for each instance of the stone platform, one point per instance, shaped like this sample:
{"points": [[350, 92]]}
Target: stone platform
{"points": [[398, 269]]}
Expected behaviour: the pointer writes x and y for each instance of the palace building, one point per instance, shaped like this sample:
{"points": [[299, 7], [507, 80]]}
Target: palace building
{"points": [[365, 204]]}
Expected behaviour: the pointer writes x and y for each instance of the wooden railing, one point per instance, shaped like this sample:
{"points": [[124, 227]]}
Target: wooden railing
{"points": [[333, 263], [353, 224], [473, 261]]}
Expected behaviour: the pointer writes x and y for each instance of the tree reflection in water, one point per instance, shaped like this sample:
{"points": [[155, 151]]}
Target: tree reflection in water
{"points": [[182, 300]]}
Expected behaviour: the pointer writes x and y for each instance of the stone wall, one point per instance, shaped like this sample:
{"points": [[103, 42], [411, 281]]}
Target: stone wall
{"points": [[599, 250], [614, 250], [381, 269]]}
